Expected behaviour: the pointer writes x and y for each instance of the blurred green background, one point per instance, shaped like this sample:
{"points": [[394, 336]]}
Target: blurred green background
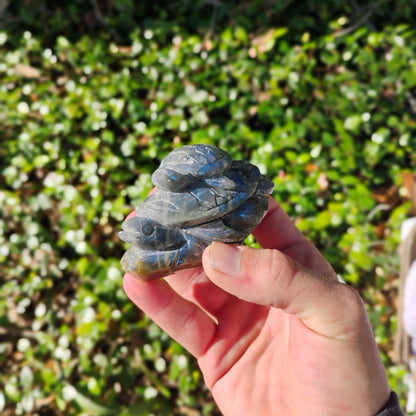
{"points": [[321, 95]]}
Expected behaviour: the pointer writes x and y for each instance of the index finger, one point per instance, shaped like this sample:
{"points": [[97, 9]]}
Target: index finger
{"points": [[277, 231]]}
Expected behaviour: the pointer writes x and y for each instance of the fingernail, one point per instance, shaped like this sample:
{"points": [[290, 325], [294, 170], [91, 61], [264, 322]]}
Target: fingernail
{"points": [[225, 258]]}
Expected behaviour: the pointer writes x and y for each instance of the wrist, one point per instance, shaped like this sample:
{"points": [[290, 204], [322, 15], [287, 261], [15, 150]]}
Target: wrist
{"points": [[391, 407]]}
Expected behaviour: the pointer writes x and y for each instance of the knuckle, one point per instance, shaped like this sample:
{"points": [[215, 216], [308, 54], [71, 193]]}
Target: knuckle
{"points": [[278, 272]]}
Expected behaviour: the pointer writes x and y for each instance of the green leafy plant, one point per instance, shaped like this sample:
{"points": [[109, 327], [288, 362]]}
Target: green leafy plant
{"points": [[323, 105]]}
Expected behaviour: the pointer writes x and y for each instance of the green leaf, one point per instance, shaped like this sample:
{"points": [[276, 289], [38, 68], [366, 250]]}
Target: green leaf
{"points": [[93, 408], [353, 123]]}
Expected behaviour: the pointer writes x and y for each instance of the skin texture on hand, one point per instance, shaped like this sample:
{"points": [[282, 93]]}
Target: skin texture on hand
{"points": [[273, 330]]}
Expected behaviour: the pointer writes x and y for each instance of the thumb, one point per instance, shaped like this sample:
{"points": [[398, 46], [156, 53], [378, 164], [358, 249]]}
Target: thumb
{"points": [[270, 278]]}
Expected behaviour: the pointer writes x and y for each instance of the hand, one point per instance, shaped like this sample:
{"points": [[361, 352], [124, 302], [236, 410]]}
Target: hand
{"points": [[273, 330]]}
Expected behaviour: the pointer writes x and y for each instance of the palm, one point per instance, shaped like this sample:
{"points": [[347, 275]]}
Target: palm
{"points": [[273, 365], [282, 362]]}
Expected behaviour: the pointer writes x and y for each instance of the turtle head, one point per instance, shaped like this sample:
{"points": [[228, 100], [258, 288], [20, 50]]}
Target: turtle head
{"points": [[150, 235], [156, 250], [171, 180]]}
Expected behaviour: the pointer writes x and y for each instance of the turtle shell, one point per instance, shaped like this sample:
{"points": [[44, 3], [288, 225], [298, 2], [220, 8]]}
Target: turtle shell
{"points": [[203, 200], [189, 163]]}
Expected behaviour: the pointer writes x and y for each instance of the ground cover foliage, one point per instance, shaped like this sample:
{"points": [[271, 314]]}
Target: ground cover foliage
{"points": [[320, 95]]}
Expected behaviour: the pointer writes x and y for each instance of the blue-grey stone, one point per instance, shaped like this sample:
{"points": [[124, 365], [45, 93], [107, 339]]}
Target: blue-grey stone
{"points": [[202, 196]]}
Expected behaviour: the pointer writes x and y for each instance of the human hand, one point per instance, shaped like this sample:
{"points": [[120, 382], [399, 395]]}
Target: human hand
{"points": [[273, 330]]}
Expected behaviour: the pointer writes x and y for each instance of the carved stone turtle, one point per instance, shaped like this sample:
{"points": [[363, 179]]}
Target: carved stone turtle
{"points": [[202, 196]]}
